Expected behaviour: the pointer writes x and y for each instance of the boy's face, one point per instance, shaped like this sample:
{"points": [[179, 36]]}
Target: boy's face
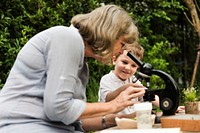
{"points": [[124, 66]]}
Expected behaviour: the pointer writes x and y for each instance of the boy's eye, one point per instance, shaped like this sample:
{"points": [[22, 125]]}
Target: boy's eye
{"points": [[134, 66], [124, 62]]}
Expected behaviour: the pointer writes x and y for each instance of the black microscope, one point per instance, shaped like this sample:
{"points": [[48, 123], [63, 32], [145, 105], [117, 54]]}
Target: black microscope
{"points": [[168, 96]]}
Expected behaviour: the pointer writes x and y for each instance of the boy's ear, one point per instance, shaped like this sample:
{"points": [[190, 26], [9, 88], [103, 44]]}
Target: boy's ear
{"points": [[114, 58]]}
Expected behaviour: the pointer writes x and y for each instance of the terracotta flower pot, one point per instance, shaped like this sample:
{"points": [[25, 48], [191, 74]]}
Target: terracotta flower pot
{"points": [[192, 107]]}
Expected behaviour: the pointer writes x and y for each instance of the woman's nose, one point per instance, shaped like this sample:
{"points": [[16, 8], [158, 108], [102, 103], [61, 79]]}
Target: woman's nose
{"points": [[120, 51]]}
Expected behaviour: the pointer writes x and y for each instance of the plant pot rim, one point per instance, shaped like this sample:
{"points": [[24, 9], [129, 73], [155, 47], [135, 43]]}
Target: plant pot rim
{"points": [[192, 102]]}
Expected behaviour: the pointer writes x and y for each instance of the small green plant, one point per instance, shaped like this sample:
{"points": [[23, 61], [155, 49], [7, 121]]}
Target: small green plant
{"points": [[190, 94]]}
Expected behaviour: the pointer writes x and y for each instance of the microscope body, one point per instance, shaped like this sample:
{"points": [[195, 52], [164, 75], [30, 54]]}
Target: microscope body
{"points": [[168, 96]]}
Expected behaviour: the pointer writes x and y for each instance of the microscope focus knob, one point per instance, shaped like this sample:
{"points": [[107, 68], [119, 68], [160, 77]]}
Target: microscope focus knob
{"points": [[166, 104]]}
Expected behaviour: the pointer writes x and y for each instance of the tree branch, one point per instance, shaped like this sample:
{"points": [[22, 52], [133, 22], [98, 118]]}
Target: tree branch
{"points": [[194, 15], [188, 19], [196, 25]]}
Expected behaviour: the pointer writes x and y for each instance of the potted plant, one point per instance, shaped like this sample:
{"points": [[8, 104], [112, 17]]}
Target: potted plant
{"points": [[191, 100]]}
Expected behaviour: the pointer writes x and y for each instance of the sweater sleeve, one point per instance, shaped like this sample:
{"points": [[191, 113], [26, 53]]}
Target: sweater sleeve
{"points": [[64, 59]]}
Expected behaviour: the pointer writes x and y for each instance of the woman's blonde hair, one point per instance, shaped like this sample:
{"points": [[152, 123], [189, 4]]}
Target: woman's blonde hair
{"points": [[103, 26]]}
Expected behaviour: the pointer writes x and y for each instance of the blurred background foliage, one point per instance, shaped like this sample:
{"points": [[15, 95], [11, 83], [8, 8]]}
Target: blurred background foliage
{"points": [[168, 38]]}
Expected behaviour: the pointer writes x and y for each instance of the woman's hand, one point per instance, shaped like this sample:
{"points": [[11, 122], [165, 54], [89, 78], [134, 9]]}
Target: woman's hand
{"points": [[112, 95], [121, 101], [124, 99]]}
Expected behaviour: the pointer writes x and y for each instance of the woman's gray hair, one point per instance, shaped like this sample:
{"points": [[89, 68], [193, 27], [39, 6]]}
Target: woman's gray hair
{"points": [[103, 26]]}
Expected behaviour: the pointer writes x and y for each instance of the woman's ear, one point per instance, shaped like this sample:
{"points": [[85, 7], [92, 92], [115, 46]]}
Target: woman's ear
{"points": [[114, 58]]}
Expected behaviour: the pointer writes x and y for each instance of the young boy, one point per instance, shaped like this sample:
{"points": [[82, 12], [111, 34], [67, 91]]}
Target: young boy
{"points": [[123, 73]]}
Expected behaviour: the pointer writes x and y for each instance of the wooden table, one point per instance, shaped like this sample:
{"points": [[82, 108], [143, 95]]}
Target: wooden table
{"points": [[156, 129], [153, 130]]}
